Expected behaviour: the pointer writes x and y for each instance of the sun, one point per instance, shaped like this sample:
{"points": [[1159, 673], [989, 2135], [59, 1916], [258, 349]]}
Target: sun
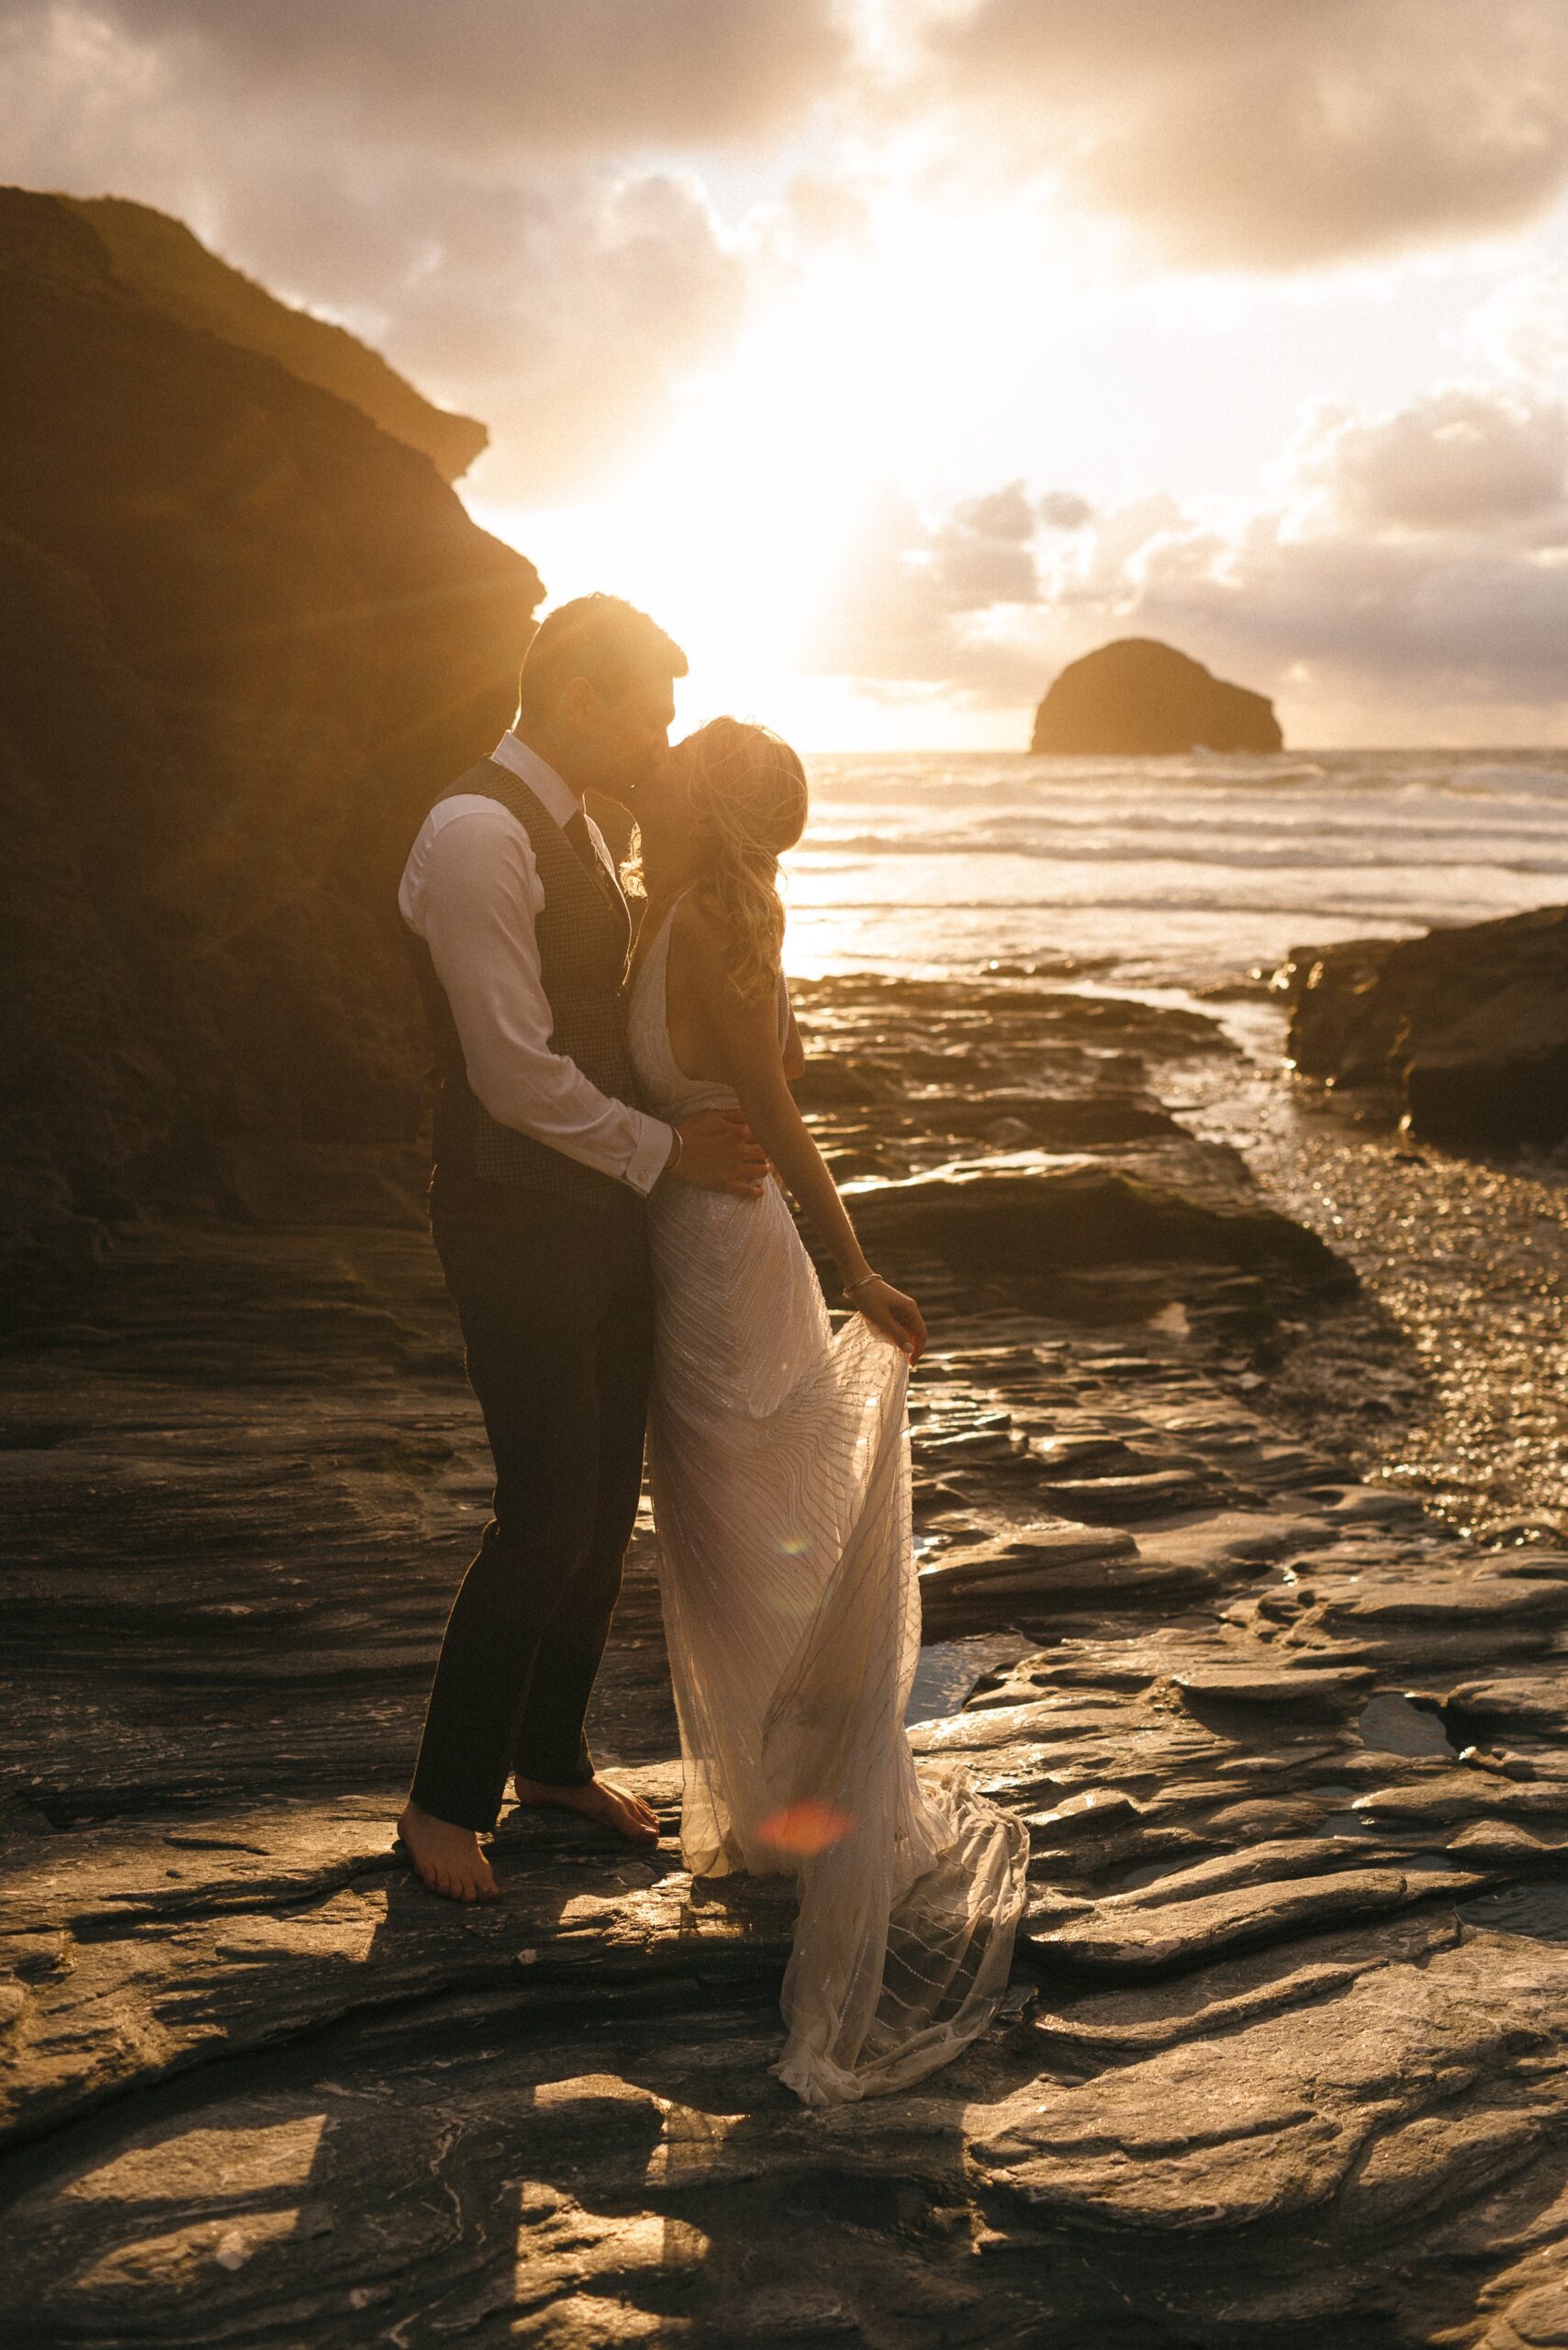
{"points": [[736, 523], [732, 523]]}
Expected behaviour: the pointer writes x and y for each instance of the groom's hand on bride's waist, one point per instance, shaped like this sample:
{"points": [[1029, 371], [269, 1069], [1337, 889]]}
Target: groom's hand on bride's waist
{"points": [[717, 1152]]}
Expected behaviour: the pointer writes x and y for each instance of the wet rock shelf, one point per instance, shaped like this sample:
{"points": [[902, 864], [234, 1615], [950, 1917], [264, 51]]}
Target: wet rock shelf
{"points": [[1283, 2057]]}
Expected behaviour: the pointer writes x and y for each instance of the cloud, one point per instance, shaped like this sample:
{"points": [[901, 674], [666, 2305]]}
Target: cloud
{"points": [[1462, 460], [935, 601], [1275, 136], [1335, 610], [491, 191], [1521, 328], [516, 200], [1061, 509], [1407, 572], [478, 80], [563, 313]]}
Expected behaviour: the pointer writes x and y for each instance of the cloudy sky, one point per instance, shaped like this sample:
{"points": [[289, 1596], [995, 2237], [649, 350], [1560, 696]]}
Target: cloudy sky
{"points": [[893, 352]]}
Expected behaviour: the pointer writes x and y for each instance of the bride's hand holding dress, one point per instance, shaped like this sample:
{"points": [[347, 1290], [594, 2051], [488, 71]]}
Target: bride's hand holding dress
{"points": [[741, 1036]]}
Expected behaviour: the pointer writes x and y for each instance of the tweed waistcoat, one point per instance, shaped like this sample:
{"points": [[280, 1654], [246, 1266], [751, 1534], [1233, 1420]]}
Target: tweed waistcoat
{"points": [[584, 934]]}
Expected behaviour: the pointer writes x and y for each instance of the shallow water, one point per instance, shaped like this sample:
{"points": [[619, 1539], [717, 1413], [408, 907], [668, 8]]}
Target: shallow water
{"points": [[1393, 1725], [1537, 1911], [949, 1670], [1448, 1377]]}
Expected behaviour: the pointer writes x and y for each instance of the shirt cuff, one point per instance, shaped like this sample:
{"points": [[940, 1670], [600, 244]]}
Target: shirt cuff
{"points": [[648, 1161]]}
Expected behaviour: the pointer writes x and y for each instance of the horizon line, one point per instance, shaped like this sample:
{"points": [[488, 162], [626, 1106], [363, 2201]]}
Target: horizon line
{"points": [[1286, 751]]}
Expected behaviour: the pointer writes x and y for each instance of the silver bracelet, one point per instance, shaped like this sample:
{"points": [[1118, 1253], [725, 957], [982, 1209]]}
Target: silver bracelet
{"points": [[864, 1282], [678, 1154]]}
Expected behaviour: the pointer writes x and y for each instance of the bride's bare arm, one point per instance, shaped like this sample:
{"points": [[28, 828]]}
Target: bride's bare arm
{"points": [[745, 1036], [794, 1052]]}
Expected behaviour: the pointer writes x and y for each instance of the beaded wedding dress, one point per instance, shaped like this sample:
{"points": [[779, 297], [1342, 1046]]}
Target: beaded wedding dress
{"points": [[779, 1466]]}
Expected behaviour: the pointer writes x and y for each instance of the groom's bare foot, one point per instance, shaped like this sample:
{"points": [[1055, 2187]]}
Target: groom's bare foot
{"points": [[446, 1858], [613, 1808]]}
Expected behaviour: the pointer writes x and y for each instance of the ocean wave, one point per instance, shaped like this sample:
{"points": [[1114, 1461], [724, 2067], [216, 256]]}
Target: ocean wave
{"points": [[1199, 866], [1398, 822], [1501, 786], [1296, 909], [1336, 775], [1347, 852]]}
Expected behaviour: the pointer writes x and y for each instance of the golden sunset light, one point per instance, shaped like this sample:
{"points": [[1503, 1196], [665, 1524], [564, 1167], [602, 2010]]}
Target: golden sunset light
{"points": [[784, 1174], [1002, 328]]}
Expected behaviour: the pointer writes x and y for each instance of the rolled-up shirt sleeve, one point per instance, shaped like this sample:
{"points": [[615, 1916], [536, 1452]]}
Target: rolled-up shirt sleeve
{"points": [[471, 893]]}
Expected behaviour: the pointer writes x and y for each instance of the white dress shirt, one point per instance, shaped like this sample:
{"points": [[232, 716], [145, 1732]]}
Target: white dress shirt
{"points": [[471, 891]]}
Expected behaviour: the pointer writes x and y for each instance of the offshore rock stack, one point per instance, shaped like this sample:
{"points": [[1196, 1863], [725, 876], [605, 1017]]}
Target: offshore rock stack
{"points": [[1138, 698]]}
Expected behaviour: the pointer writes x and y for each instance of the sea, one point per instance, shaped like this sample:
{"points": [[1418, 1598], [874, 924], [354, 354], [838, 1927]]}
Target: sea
{"points": [[1185, 882], [1164, 874]]}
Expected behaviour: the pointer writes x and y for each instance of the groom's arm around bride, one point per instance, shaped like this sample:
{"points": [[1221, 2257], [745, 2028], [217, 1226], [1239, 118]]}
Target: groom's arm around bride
{"points": [[543, 1161]]}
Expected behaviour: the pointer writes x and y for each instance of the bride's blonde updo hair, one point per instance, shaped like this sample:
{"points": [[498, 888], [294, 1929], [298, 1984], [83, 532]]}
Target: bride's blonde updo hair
{"points": [[749, 792]]}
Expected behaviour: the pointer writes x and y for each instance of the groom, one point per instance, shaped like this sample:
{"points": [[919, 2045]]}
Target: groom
{"points": [[542, 1166]]}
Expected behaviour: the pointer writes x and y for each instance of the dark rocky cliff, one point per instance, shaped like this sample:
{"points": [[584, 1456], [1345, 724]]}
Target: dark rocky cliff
{"points": [[166, 268], [1139, 698], [247, 634]]}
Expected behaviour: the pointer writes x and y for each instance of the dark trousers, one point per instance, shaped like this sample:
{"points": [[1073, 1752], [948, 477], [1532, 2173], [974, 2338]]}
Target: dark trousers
{"points": [[555, 1303]]}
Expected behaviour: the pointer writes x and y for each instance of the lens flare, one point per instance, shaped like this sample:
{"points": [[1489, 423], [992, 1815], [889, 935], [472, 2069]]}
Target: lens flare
{"points": [[805, 1828]]}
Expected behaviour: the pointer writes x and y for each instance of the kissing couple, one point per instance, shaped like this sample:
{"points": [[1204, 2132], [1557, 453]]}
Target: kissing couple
{"points": [[614, 1137]]}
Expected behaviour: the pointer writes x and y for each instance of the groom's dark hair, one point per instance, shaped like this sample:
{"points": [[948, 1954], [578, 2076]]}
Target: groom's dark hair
{"points": [[597, 637]]}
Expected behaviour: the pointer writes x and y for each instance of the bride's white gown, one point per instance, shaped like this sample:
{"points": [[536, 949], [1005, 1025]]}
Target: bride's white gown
{"points": [[779, 1467]]}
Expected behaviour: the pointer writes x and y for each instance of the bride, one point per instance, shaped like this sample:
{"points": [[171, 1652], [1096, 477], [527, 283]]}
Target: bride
{"points": [[779, 1468]]}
